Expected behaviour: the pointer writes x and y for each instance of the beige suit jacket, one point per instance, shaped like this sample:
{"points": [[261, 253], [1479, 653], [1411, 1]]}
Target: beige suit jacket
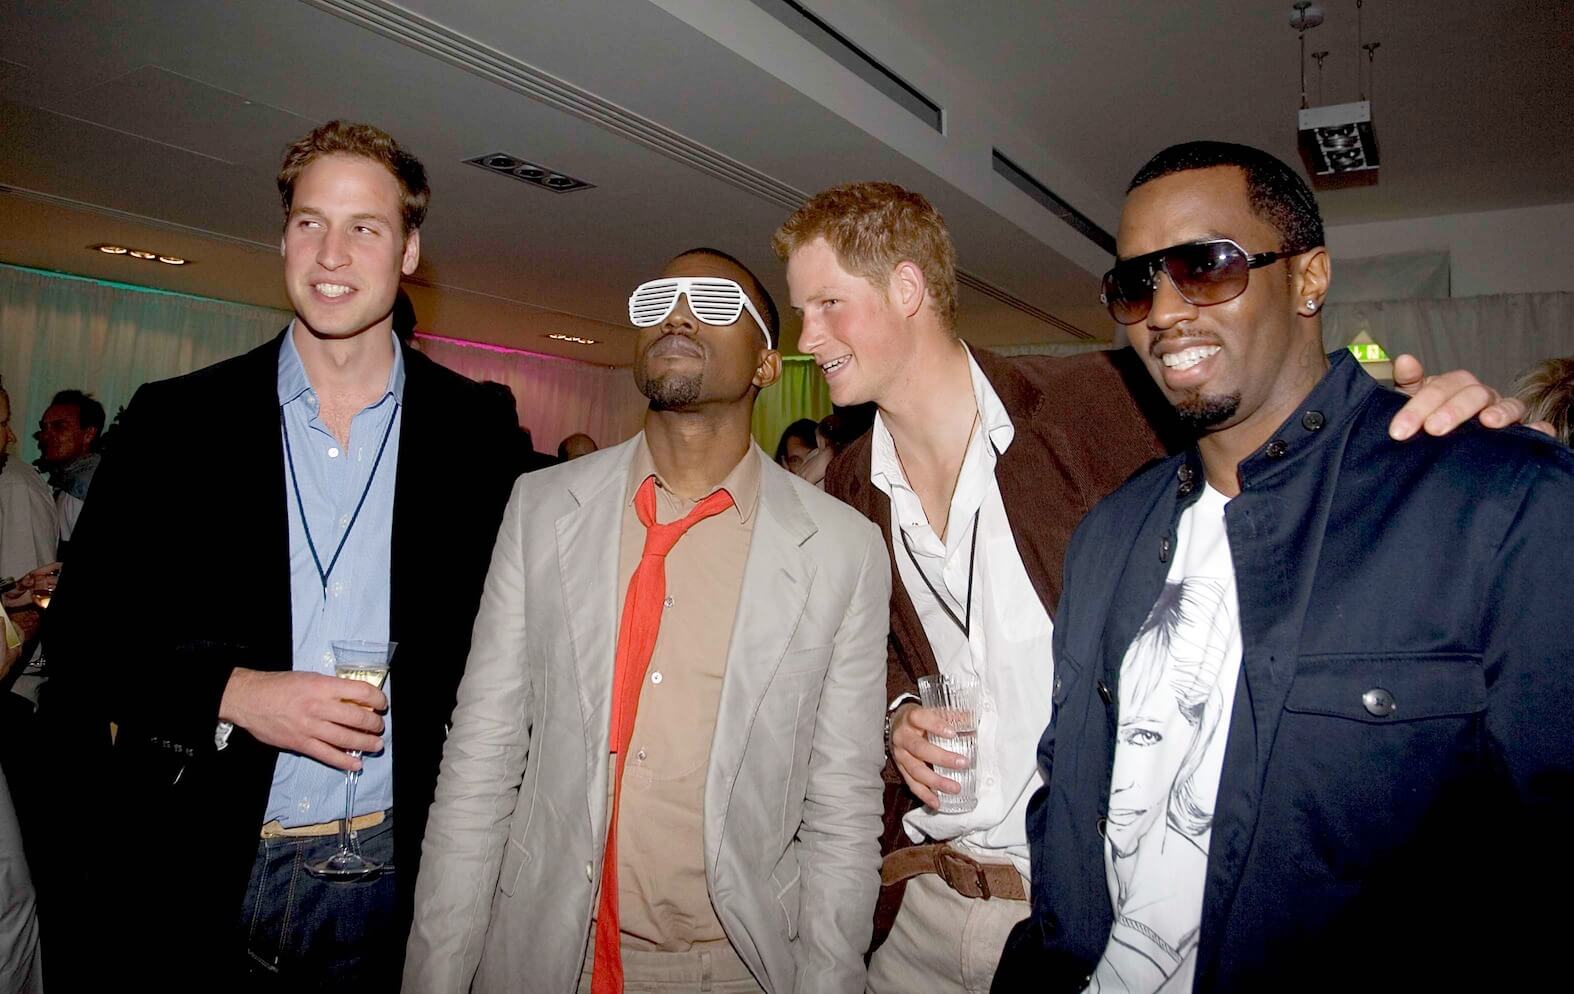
{"points": [[513, 849]]}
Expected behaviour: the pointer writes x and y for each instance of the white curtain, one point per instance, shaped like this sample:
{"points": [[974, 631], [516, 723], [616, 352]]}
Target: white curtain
{"points": [[1496, 337], [61, 332], [555, 397], [1400, 276]]}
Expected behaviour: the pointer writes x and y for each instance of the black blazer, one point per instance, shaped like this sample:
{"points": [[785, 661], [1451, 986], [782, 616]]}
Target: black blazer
{"points": [[179, 573]]}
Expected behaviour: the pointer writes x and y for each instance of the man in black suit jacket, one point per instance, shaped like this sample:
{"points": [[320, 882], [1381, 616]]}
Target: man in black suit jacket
{"points": [[204, 513]]}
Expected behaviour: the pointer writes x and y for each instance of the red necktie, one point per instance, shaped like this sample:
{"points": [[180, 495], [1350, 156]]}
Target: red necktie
{"points": [[636, 642]]}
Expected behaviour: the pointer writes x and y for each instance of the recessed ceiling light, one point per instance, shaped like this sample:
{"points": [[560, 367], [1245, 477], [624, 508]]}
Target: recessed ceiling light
{"points": [[146, 255], [573, 339], [529, 172]]}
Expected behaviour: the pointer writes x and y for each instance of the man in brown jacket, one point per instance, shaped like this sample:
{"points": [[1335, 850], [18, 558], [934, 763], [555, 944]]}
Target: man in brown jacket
{"points": [[977, 469]]}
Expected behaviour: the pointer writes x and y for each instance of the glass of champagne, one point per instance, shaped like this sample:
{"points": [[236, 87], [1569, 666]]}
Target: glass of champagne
{"points": [[367, 662]]}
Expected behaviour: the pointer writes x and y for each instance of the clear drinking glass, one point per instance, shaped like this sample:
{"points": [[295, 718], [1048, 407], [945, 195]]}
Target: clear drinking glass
{"points": [[367, 662], [957, 699]]}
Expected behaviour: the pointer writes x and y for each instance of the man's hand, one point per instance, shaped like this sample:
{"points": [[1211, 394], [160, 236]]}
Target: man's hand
{"points": [[322, 717], [1444, 402], [914, 752], [41, 580]]}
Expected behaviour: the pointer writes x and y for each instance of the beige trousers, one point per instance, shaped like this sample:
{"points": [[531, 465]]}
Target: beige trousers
{"points": [[942, 942], [716, 969]]}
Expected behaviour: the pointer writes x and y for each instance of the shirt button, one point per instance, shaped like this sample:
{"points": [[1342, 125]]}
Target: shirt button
{"points": [[590, 872], [344, 521], [989, 781], [333, 452], [655, 677], [1276, 449], [1313, 420], [327, 657], [640, 755], [667, 602], [303, 805]]}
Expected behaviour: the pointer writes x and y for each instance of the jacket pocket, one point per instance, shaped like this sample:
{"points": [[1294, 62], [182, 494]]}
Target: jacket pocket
{"points": [[1389, 688], [1371, 748], [785, 880], [515, 857]]}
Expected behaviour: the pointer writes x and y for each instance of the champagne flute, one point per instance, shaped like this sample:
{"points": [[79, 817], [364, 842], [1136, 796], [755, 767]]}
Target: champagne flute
{"points": [[367, 662]]}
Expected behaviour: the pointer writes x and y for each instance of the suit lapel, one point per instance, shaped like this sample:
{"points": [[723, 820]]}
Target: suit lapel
{"points": [[413, 481], [257, 431], [1019, 473], [917, 656], [587, 547], [777, 578]]}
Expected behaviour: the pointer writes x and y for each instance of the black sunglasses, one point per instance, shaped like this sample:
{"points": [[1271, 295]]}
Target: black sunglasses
{"points": [[1203, 273]]}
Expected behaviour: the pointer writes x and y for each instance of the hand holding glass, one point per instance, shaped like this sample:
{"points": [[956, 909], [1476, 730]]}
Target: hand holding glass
{"points": [[367, 662], [957, 699]]}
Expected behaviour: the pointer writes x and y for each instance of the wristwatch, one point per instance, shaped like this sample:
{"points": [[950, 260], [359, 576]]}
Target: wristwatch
{"points": [[890, 712]]}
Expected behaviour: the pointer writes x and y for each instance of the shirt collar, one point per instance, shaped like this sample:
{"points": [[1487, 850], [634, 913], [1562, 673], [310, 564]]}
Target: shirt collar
{"points": [[885, 471], [743, 482], [292, 372]]}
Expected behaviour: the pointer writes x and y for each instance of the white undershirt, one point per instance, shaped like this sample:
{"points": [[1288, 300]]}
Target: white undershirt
{"points": [[1177, 688], [1008, 649]]}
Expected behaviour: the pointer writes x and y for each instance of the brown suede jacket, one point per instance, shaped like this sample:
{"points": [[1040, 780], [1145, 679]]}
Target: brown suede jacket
{"points": [[1083, 425]]}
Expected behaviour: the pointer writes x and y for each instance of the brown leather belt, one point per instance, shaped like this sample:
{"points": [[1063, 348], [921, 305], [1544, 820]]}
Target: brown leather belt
{"points": [[360, 823], [961, 872]]}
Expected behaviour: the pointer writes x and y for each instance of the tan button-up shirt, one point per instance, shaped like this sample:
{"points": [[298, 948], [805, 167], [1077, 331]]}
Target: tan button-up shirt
{"points": [[663, 900]]}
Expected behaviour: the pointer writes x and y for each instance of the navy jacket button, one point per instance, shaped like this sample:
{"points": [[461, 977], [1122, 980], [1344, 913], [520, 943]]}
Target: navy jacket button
{"points": [[1379, 703]]}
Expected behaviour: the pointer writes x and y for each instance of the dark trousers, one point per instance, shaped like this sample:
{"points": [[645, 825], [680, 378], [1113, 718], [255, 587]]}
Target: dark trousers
{"points": [[302, 933]]}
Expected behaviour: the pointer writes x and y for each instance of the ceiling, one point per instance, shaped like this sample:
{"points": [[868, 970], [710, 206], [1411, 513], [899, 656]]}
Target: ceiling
{"points": [[1473, 103], [160, 124]]}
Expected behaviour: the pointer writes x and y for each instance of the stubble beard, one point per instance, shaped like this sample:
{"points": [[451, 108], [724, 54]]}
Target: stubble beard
{"points": [[672, 391]]}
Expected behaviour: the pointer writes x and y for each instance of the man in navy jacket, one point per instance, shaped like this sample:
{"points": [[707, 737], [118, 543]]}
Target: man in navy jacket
{"points": [[1313, 701]]}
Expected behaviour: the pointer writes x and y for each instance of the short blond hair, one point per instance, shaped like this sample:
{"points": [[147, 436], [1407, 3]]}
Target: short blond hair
{"points": [[873, 228], [1548, 391]]}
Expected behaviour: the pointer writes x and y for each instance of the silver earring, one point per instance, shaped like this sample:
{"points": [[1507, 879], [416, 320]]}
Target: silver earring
{"points": [[1311, 305]]}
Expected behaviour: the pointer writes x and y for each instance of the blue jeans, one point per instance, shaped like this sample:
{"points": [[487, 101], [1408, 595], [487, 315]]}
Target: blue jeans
{"points": [[302, 933]]}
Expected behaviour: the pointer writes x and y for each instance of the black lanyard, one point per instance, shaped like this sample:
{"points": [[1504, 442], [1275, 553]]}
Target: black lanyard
{"points": [[965, 623], [301, 505]]}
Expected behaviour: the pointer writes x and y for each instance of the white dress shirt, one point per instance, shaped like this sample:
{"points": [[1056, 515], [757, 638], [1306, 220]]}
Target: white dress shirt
{"points": [[1008, 645]]}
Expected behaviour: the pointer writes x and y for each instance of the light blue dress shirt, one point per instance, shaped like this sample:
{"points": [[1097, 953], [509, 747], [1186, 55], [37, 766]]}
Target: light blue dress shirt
{"points": [[355, 602]]}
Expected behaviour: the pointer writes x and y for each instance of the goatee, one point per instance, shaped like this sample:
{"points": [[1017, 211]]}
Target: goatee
{"points": [[672, 391], [1200, 412]]}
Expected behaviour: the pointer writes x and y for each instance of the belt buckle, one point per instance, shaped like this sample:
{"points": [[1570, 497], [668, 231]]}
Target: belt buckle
{"points": [[953, 866]]}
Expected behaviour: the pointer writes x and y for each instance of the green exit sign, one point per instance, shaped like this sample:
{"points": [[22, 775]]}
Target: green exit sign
{"points": [[1369, 352]]}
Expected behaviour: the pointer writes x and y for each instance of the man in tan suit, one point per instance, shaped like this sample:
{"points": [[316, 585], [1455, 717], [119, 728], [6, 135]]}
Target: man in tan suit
{"points": [[748, 813]]}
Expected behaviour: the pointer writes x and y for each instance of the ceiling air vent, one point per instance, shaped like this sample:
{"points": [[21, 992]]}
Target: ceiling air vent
{"points": [[1047, 197], [830, 41], [528, 172]]}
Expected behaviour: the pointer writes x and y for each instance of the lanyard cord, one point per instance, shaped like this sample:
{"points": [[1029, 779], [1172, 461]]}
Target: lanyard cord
{"points": [[965, 623], [301, 505]]}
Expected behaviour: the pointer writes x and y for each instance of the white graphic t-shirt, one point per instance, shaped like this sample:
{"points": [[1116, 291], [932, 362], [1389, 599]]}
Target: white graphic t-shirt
{"points": [[1177, 684]]}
